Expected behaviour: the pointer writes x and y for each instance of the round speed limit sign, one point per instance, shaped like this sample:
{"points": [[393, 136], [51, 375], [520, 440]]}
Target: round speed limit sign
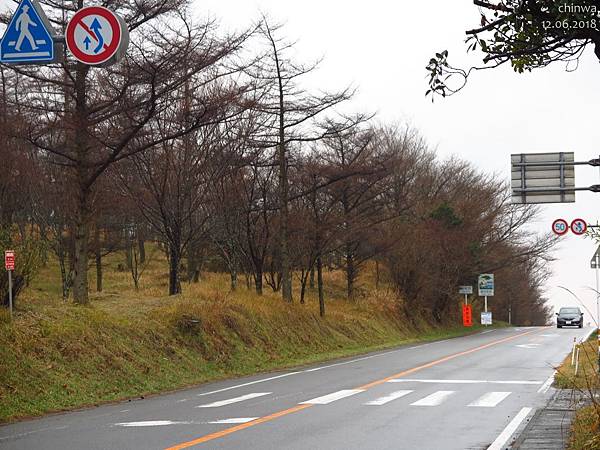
{"points": [[560, 227]]}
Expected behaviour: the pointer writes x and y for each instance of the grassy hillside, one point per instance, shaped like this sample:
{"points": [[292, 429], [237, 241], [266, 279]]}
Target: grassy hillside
{"points": [[130, 343]]}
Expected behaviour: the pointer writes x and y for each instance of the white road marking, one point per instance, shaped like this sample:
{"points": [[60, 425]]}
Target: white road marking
{"points": [[329, 398], [183, 400], [368, 357], [388, 398], [547, 384], [233, 421], [237, 386], [150, 423], [490, 399], [27, 433], [485, 332], [528, 345], [435, 399], [549, 335], [248, 384], [229, 401], [414, 380], [124, 411], [502, 439], [348, 362]]}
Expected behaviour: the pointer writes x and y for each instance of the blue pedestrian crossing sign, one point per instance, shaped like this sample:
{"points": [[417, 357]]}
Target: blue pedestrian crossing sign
{"points": [[29, 37]]}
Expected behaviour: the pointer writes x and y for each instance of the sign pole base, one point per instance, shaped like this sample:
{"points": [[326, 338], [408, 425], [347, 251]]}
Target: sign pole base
{"points": [[10, 294]]}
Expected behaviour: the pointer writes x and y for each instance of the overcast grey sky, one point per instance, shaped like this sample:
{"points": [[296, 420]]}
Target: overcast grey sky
{"points": [[382, 47]]}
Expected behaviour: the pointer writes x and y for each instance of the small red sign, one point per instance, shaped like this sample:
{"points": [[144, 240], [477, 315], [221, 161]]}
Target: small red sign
{"points": [[560, 227], [9, 259], [579, 227], [467, 311]]}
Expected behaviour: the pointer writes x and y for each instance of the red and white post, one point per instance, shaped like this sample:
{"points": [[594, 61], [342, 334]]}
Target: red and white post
{"points": [[9, 264]]}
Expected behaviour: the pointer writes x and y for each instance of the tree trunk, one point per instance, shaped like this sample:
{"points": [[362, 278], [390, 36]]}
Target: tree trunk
{"points": [[320, 286], [128, 249], [303, 282], [286, 275], [82, 228], [63, 269], [141, 245], [258, 282], [234, 278], [350, 272], [82, 234], [98, 255], [174, 261], [311, 284]]}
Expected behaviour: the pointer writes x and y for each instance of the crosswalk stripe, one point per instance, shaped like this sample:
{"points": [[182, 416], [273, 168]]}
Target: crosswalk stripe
{"points": [[388, 398], [234, 400], [435, 399], [490, 399], [236, 420], [324, 400]]}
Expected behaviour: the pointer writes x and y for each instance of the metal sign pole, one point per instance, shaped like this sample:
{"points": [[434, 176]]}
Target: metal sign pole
{"points": [[486, 310], [10, 295], [466, 299]]}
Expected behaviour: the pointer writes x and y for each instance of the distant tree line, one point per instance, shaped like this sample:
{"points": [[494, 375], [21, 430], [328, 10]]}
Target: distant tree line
{"points": [[210, 146]]}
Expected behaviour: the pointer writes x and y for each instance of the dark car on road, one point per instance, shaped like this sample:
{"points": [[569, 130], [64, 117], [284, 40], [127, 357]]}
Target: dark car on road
{"points": [[570, 317]]}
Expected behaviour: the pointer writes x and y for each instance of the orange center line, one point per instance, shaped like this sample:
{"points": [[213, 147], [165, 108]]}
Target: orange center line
{"points": [[222, 433], [228, 431]]}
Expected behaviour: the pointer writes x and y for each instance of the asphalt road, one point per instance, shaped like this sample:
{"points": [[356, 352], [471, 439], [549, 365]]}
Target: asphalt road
{"points": [[473, 392]]}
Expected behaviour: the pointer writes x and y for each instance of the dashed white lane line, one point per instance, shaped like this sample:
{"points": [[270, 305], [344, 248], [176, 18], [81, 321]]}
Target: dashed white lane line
{"points": [[237, 420], [435, 399], [250, 383], [415, 380], [388, 398], [489, 399], [150, 423], [329, 398], [502, 439], [27, 433], [229, 401], [544, 388]]}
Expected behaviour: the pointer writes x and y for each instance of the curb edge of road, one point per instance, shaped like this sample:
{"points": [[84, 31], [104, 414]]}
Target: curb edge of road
{"points": [[521, 435]]}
